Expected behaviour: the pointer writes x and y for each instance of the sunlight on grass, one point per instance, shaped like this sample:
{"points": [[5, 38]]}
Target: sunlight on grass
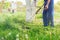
{"points": [[13, 27]]}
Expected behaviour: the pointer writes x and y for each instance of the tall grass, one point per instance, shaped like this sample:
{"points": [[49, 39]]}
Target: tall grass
{"points": [[13, 27]]}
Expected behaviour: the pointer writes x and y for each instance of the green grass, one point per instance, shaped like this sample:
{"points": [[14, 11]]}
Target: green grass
{"points": [[12, 27]]}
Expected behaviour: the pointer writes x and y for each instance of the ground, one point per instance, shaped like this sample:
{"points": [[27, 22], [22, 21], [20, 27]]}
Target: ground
{"points": [[14, 27]]}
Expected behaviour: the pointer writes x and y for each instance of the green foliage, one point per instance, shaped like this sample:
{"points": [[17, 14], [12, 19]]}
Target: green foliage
{"points": [[40, 2], [12, 27], [57, 7], [6, 5]]}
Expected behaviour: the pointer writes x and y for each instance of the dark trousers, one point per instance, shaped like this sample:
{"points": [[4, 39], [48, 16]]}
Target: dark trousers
{"points": [[48, 18]]}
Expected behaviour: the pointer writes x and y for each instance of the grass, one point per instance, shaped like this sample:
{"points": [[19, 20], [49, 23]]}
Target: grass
{"points": [[12, 27]]}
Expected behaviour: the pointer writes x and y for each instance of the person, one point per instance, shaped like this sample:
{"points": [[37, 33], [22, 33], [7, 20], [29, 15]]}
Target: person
{"points": [[48, 13], [13, 6]]}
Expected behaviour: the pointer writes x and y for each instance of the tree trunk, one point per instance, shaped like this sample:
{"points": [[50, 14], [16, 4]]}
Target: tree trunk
{"points": [[30, 10], [33, 9]]}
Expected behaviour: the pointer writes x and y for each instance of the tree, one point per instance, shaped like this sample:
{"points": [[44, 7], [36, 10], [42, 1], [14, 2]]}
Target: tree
{"points": [[30, 10]]}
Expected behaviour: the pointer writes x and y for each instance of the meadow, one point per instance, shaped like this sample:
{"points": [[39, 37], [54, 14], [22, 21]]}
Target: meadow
{"points": [[14, 27]]}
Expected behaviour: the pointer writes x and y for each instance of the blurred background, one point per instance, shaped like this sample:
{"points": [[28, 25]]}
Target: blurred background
{"points": [[5, 5], [13, 24]]}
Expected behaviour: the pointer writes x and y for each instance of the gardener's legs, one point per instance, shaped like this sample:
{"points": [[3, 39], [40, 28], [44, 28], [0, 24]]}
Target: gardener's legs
{"points": [[45, 20], [51, 18]]}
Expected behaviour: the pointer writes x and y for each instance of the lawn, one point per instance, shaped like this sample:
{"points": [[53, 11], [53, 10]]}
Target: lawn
{"points": [[14, 27]]}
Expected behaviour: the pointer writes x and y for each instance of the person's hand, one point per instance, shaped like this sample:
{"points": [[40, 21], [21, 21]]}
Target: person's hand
{"points": [[46, 7]]}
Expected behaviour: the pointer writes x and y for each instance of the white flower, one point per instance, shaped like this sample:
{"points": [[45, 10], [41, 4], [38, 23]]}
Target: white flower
{"points": [[9, 33], [17, 35], [26, 35]]}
